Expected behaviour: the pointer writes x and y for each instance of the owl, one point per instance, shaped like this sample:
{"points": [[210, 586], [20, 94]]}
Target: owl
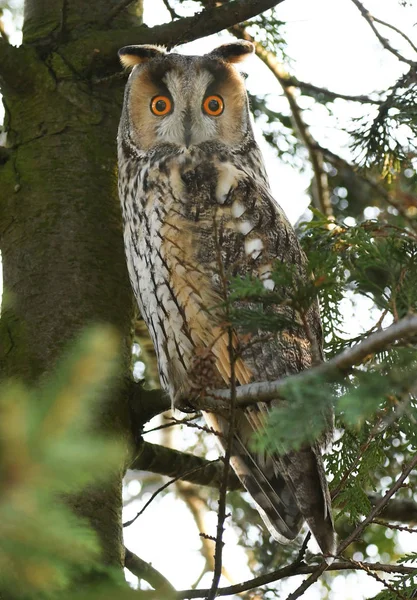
{"points": [[198, 211]]}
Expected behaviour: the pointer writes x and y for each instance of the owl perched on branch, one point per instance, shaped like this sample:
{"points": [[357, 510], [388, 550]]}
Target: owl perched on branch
{"points": [[197, 210]]}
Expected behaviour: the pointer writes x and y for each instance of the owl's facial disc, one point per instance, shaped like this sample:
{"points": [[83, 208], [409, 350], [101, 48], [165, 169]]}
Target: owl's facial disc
{"points": [[187, 101]]}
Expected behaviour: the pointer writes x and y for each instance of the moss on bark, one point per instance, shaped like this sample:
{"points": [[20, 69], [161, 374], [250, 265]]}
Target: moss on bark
{"points": [[61, 235]]}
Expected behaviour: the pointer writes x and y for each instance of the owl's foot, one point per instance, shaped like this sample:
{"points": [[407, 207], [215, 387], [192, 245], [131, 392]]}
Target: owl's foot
{"points": [[202, 376]]}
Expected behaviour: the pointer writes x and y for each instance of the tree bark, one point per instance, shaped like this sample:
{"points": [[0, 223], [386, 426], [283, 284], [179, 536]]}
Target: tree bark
{"points": [[60, 224]]}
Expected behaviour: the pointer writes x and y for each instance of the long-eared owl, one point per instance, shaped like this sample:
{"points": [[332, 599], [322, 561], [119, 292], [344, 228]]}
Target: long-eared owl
{"points": [[198, 210]]}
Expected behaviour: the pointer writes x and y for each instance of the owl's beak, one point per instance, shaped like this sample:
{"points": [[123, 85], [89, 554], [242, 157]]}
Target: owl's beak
{"points": [[187, 129], [187, 135]]}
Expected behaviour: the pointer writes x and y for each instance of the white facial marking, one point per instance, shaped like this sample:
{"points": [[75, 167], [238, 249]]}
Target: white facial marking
{"points": [[254, 247]]}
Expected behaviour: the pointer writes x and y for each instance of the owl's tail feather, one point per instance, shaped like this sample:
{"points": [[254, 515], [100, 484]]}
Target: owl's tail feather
{"points": [[303, 471], [288, 490], [275, 501]]}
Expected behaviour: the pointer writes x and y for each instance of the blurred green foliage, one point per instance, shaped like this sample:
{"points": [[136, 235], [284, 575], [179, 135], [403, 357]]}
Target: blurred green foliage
{"points": [[48, 450]]}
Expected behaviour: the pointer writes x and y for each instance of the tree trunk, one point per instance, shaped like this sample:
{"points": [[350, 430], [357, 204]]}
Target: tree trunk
{"points": [[60, 223]]}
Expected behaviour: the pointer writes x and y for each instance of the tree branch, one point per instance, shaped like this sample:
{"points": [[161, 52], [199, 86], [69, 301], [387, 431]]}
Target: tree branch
{"points": [[401, 33], [10, 65], [379, 506], [387, 196], [268, 390], [146, 404], [146, 571], [101, 47], [172, 463], [290, 571], [370, 20], [400, 510], [166, 461], [316, 90], [171, 11], [227, 470]]}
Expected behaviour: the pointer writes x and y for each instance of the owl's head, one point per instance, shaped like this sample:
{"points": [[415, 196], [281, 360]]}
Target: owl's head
{"points": [[185, 100]]}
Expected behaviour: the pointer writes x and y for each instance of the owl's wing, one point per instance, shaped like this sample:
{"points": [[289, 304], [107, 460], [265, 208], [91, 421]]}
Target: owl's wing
{"points": [[229, 225], [249, 235]]}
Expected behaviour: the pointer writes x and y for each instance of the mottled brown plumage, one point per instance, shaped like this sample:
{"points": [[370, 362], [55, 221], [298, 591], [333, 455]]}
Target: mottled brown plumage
{"points": [[198, 210]]}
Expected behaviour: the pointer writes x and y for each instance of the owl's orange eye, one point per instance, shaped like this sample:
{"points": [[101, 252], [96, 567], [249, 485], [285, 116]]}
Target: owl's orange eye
{"points": [[213, 105], [161, 105]]}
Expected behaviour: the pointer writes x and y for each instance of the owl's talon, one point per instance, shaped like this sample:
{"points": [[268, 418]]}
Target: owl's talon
{"points": [[185, 405]]}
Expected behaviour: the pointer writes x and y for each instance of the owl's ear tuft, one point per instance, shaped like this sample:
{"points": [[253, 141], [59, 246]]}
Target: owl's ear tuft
{"points": [[131, 56], [234, 52]]}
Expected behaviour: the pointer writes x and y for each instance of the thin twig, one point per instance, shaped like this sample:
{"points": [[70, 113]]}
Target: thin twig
{"points": [[161, 489], [378, 507], [173, 422], [401, 33], [364, 567], [370, 20], [394, 527]]}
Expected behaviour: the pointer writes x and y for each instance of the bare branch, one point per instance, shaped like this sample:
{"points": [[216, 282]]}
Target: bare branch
{"points": [[161, 489], [171, 11], [387, 196], [314, 89], [101, 47], [370, 20], [290, 571], [191, 468], [321, 194], [402, 510], [358, 530], [169, 462], [266, 391], [379, 506], [146, 571], [401, 33], [339, 365]]}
